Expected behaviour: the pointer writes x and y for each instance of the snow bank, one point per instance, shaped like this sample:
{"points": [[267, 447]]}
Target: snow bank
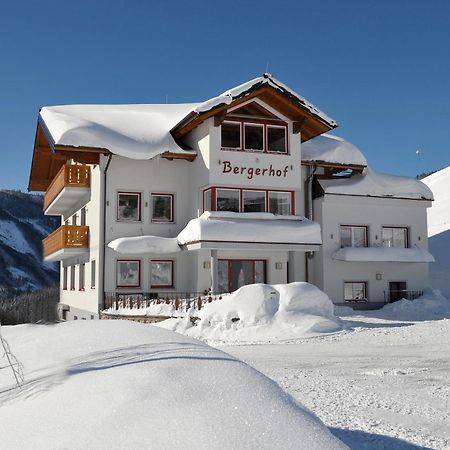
{"points": [[375, 184], [123, 385], [145, 244], [431, 306], [133, 131], [383, 254], [250, 227], [261, 313], [332, 149]]}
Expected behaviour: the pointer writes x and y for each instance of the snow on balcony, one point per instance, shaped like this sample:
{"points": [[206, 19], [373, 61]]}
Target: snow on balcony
{"points": [[383, 254]]}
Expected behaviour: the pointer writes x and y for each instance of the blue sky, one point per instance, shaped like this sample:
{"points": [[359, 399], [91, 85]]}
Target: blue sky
{"points": [[380, 69]]}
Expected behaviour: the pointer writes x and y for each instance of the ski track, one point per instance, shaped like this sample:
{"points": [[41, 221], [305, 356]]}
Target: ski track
{"points": [[378, 385]]}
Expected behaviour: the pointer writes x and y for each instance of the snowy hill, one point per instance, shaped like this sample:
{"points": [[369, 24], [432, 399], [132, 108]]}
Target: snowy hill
{"points": [[439, 229], [22, 227]]}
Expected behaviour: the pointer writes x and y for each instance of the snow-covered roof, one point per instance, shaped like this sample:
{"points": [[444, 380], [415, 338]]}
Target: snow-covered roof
{"points": [[375, 184], [383, 254], [250, 228], [332, 149], [133, 131], [231, 94], [145, 244]]}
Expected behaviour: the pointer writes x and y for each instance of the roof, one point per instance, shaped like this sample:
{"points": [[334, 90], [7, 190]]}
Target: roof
{"points": [[332, 149], [375, 184], [383, 254]]}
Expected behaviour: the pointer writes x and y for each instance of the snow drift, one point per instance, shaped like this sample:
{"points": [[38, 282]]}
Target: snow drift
{"points": [[119, 384], [260, 313]]}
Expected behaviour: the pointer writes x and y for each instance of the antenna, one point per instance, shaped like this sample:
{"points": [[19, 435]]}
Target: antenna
{"points": [[167, 98], [267, 67]]}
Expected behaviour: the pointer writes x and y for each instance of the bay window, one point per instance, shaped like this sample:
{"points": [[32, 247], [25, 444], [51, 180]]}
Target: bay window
{"points": [[280, 203], [228, 200], [395, 237], [353, 236], [254, 201]]}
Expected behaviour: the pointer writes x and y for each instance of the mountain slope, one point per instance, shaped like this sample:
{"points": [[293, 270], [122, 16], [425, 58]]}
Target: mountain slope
{"points": [[22, 227], [439, 229]]}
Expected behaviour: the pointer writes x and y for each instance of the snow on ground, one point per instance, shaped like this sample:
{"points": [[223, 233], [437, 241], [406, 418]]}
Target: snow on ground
{"points": [[119, 384], [382, 383], [260, 313], [13, 237]]}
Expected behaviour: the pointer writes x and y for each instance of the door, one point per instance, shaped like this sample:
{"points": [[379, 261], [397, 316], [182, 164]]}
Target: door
{"points": [[235, 273], [397, 290]]}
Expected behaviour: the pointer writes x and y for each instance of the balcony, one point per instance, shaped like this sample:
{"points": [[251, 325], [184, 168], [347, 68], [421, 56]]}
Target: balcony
{"points": [[66, 242], [69, 190]]}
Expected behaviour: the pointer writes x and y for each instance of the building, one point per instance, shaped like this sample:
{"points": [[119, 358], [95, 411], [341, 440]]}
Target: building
{"points": [[246, 187]]}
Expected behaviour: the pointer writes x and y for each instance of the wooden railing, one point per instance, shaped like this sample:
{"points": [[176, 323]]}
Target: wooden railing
{"points": [[70, 175], [66, 236]]}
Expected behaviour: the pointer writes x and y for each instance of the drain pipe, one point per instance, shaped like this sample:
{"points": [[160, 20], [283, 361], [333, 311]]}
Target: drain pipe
{"points": [[102, 247], [309, 186]]}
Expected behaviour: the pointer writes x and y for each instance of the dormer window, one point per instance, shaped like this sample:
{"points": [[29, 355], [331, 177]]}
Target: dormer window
{"points": [[254, 137], [231, 135], [276, 139]]}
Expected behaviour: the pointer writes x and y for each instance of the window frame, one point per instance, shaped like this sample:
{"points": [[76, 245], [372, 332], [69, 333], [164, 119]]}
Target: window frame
{"points": [[292, 201], [229, 262], [139, 195], [285, 152], [72, 277], [65, 276], [352, 227], [227, 189], [241, 143], [364, 283], [386, 227], [127, 286], [172, 206], [93, 274], [255, 125], [172, 277], [81, 276], [243, 191]]}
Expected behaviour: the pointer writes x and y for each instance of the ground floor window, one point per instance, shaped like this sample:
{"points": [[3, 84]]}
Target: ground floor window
{"points": [[161, 274], [234, 273], [355, 290], [128, 273]]}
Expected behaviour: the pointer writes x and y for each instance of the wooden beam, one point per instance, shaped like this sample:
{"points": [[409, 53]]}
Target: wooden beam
{"points": [[185, 156], [298, 125], [219, 118]]}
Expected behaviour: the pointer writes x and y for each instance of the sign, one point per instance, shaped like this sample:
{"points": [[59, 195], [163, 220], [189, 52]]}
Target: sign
{"points": [[251, 172]]}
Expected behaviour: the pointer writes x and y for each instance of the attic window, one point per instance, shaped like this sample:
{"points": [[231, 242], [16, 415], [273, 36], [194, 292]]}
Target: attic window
{"points": [[231, 135], [276, 139], [254, 136]]}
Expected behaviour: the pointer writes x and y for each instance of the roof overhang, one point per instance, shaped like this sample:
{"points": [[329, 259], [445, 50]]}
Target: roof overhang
{"points": [[306, 121], [244, 246]]}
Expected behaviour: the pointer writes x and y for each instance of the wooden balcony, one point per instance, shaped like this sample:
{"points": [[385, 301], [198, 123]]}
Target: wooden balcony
{"points": [[69, 190], [66, 242]]}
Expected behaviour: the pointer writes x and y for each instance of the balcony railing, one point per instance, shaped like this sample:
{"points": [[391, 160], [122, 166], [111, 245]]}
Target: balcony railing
{"points": [[69, 176], [181, 301], [66, 241], [393, 296]]}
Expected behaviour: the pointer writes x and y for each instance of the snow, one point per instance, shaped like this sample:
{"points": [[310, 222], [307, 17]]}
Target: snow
{"points": [[332, 149], [383, 254], [119, 384], [375, 184], [250, 227], [132, 131], [439, 214], [11, 235], [439, 229], [145, 244], [382, 383], [228, 96], [261, 313]]}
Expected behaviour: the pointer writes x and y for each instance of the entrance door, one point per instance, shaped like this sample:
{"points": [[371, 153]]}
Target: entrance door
{"points": [[235, 273], [397, 290]]}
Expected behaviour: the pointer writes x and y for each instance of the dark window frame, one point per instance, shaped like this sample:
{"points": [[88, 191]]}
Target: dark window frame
{"points": [[172, 206], [139, 195], [364, 283], [127, 286]]}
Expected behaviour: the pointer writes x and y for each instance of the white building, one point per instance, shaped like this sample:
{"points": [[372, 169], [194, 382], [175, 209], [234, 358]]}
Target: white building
{"points": [[171, 200]]}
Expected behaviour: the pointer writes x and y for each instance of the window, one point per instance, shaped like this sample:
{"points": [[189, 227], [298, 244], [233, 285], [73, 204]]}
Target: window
{"points": [[81, 272], [280, 203], [161, 274], [228, 200], [162, 208], [235, 273], [355, 290], [276, 139], [129, 206], [353, 236], [93, 274], [254, 201], [254, 137], [231, 135], [128, 273], [65, 278], [72, 278], [395, 237], [207, 200]]}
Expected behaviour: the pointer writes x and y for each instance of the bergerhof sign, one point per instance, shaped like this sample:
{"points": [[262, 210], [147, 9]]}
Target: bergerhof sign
{"points": [[251, 172]]}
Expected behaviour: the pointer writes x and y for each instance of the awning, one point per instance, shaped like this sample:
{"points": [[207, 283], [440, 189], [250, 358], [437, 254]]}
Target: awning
{"points": [[383, 254]]}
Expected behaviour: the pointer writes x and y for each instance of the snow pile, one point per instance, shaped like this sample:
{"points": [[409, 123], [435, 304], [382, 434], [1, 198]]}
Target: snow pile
{"points": [[383, 254], [439, 229], [431, 306], [133, 131], [250, 227], [228, 96], [123, 385], [332, 149], [375, 184], [145, 244], [260, 313]]}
